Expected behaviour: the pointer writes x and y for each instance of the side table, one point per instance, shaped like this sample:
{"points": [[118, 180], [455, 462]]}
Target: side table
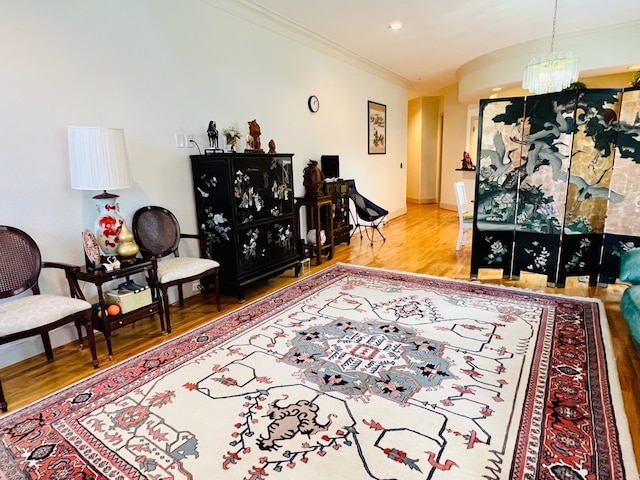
{"points": [[106, 324], [314, 209]]}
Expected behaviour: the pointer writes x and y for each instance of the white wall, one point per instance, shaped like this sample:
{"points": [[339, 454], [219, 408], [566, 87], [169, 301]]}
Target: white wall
{"points": [[423, 148], [156, 68]]}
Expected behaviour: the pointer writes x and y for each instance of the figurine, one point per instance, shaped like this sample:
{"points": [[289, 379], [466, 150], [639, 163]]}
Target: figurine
{"points": [[212, 132], [254, 133], [313, 181], [467, 163], [272, 146]]}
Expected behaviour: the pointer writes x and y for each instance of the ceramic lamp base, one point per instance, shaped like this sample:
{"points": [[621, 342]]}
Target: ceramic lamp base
{"points": [[109, 223]]}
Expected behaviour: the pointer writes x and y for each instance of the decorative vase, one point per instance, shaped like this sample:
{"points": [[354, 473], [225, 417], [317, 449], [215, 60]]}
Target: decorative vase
{"points": [[231, 143], [311, 237], [313, 180], [127, 247], [108, 224]]}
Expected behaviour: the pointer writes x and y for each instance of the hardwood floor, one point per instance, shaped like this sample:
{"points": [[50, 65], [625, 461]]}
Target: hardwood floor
{"points": [[421, 241]]}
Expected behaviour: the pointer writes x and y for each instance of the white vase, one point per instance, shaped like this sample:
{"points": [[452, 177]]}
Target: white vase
{"points": [[109, 223]]}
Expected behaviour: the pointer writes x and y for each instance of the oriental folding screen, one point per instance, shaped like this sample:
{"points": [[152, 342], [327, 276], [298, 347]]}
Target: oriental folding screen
{"points": [[558, 184]]}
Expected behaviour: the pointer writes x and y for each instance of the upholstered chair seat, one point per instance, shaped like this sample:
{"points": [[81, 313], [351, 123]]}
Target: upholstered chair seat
{"points": [[630, 301], [35, 311], [26, 312], [157, 233], [176, 268]]}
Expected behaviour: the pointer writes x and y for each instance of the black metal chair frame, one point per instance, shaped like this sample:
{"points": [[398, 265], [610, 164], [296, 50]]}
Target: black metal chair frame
{"points": [[367, 211]]}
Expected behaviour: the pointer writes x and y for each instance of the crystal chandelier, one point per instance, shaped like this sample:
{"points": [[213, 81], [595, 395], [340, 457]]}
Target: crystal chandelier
{"points": [[553, 71]]}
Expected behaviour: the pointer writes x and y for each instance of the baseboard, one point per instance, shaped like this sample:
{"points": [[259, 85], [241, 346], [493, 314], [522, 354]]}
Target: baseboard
{"points": [[19, 350], [449, 206], [421, 201], [396, 213]]}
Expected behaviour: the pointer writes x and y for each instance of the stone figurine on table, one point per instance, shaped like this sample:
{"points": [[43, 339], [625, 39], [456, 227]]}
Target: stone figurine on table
{"points": [[313, 181], [467, 163], [212, 133], [254, 133]]}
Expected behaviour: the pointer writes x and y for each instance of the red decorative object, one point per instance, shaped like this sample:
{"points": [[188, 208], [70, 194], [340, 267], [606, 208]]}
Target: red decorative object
{"points": [[109, 223]]}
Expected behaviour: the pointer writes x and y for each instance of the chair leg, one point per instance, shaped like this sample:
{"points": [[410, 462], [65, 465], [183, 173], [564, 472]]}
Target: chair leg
{"points": [[80, 338], [375, 227], [460, 238], [165, 302], [370, 237], [3, 402], [180, 296], [356, 224], [46, 341], [217, 286]]}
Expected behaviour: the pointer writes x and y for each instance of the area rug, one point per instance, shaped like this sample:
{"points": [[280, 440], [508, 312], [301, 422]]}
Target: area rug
{"points": [[350, 373]]}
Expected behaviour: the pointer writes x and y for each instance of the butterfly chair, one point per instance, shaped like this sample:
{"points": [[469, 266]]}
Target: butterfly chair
{"points": [[36, 314], [367, 211], [157, 233], [465, 215]]}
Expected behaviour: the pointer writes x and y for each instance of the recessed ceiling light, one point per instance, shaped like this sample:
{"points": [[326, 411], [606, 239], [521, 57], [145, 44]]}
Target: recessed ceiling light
{"points": [[496, 89], [395, 26]]}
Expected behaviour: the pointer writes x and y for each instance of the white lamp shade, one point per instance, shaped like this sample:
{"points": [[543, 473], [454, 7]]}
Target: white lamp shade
{"points": [[98, 158]]}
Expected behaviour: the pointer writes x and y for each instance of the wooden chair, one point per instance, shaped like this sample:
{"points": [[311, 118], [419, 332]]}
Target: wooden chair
{"points": [[157, 233], [36, 314], [465, 215]]}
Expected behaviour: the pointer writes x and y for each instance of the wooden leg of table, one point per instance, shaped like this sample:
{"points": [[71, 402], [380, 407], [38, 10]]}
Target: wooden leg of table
{"points": [[92, 343], [318, 239]]}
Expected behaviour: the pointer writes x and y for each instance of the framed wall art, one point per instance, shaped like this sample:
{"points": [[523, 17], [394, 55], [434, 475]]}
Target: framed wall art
{"points": [[377, 118]]}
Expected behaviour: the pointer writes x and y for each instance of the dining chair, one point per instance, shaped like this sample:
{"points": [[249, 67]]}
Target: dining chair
{"points": [[465, 215], [157, 233], [25, 311]]}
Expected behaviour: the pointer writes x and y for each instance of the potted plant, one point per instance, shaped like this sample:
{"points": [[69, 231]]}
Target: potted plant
{"points": [[232, 134]]}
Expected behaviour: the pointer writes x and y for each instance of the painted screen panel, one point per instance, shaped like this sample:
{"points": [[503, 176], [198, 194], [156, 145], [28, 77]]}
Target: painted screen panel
{"points": [[548, 127], [622, 226], [499, 160]]}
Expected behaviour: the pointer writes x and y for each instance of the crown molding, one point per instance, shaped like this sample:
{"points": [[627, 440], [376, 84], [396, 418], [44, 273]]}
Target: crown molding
{"points": [[269, 20]]}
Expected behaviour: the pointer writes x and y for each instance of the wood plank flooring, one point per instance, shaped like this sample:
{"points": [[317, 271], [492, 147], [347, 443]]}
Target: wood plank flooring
{"points": [[421, 241]]}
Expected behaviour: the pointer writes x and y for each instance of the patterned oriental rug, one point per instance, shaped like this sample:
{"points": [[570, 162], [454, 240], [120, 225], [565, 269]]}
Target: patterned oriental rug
{"points": [[350, 373]]}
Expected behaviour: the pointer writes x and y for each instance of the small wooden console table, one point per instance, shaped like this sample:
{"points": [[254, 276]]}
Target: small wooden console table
{"points": [[106, 324], [314, 209]]}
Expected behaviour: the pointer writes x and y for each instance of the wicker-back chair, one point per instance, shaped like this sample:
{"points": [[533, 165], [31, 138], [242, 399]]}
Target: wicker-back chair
{"points": [[36, 314], [157, 233]]}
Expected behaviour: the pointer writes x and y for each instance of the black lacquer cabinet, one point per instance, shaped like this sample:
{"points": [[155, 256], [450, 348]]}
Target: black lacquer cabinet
{"points": [[244, 204]]}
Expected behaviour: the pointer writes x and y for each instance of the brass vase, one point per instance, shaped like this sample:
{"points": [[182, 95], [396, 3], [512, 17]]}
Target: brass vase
{"points": [[127, 247]]}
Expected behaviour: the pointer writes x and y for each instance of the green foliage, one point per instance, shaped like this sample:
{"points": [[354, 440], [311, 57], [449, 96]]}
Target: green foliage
{"points": [[576, 86]]}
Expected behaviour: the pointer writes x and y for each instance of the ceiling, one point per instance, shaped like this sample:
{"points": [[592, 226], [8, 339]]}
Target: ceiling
{"points": [[440, 36]]}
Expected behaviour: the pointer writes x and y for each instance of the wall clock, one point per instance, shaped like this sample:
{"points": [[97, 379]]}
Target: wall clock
{"points": [[313, 104]]}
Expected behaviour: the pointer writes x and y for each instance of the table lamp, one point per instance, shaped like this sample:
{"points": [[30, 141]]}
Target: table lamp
{"points": [[98, 161]]}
